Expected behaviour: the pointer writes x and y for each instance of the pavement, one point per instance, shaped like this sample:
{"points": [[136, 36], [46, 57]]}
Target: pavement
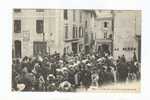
{"points": [[133, 86]]}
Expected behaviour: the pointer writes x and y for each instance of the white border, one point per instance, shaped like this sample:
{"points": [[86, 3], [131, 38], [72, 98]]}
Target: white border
{"points": [[6, 7]]}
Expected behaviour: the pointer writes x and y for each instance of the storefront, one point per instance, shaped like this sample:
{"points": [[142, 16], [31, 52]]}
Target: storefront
{"points": [[104, 46]]}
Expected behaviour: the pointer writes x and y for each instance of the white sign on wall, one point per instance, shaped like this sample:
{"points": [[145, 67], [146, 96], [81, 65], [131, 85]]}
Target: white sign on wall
{"points": [[26, 35]]}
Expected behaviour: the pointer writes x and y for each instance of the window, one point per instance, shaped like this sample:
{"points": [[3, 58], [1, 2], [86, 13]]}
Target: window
{"points": [[73, 32], [128, 48], [91, 14], [76, 32], [134, 49], [39, 10], [80, 17], [17, 10], [110, 36], [86, 38], [65, 14], [80, 47], [65, 50], [80, 32], [116, 49], [66, 32], [74, 16], [92, 37], [17, 26], [105, 24], [86, 23], [39, 26], [105, 35], [17, 48]]}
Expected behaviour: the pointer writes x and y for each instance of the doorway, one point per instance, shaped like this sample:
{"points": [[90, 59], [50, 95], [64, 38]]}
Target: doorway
{"points": [[87, 49], [105, 49], [39, 48], [75, 48], [18, 49]]}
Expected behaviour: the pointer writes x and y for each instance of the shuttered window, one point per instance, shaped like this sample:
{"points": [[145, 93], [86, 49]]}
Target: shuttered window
{"points": [[39, 26], [17, 26]]}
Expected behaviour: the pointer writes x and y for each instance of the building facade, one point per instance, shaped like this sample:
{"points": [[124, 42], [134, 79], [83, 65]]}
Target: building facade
{"points": [[104, 32], [37, 31], [89, 36], [127, 34], [45, 31], [74, 30]]}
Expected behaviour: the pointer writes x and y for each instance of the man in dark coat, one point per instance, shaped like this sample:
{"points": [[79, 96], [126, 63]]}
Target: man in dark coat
{"points": [[122, 71], [86, 78]]}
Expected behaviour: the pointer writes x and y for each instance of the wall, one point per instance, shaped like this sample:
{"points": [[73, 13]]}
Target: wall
{"points": [[125, 29]]}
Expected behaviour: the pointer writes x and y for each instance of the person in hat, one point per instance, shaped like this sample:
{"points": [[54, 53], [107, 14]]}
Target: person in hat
{"points": [[65, 86], [86, 78], [51, 86], [95, 78], [41, 83]]}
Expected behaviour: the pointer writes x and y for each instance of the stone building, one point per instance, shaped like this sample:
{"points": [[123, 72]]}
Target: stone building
{"points": [[37, 31], [127, 34], [104, 31], [118, 33], [73, 23], [46, 31], [89, 29]]}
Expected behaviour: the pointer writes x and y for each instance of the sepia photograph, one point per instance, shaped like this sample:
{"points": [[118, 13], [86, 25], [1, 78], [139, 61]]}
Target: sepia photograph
{"points": [[76, 50]]}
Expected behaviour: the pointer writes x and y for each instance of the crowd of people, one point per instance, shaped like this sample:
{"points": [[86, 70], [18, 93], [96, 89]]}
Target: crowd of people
{"points": [[70, 72]]}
